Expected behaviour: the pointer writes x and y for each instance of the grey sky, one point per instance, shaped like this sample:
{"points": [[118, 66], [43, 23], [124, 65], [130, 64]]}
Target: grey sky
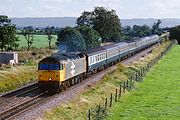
{"points": [[73, 8]]}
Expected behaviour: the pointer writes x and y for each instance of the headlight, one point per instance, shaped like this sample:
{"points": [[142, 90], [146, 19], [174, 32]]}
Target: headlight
{"points": [[50, 78]]}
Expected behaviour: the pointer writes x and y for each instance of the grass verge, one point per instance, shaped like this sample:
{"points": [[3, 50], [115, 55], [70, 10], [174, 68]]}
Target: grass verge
{"points": [[76, 109], [14, 77], [157, 98]]}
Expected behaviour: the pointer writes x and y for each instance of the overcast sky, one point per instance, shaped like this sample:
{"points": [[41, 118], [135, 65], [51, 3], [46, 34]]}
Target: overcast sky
{"points": [[73, 8]]}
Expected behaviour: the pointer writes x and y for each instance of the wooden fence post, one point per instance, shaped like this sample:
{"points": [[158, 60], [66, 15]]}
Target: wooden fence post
{"points": [[116, 96], [120, 87], [136, 76], [89, 115], [105, 103], [110, 101], [124, 87], [98, 111]]}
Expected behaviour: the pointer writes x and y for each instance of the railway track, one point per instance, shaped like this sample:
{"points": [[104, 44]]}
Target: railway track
{"points": [[19, 91], [18, 101]]}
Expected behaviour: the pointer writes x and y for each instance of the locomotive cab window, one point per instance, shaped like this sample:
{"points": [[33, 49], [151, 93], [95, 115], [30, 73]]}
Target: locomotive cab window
{"points": [[54, 66], [49, 66]]}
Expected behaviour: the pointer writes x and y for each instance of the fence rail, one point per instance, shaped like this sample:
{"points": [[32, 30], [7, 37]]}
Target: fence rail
{"points": [[99, 112]]}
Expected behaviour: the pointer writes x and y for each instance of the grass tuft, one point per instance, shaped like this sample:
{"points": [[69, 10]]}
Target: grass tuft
{"points": [[15, 77]]}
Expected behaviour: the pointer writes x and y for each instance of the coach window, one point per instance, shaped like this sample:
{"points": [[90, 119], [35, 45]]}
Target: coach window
{"points": [[90, 60], [96, 58]]}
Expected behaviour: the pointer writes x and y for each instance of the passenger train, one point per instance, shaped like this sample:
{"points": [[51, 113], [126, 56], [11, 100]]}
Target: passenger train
{"points": [[62, 70]]}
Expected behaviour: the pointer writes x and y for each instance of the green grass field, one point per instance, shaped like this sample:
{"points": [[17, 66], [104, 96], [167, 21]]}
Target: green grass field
{"points": [[40, 41], [157, 97]]}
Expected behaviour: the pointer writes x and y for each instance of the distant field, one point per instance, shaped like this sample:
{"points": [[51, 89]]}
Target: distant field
{"points": [[158, 97], [39, 41]]}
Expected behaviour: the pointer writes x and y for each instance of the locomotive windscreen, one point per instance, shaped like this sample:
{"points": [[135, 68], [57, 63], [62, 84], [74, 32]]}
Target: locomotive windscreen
{"points": [[49, 66]]}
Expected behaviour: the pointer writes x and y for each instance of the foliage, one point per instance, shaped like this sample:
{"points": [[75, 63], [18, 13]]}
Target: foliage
{"points": [[136, 31], [156, 97], [142, 31], [105, 22], [91, 37], [49, 31], [85, 19], [28, 34], [70, 39], [156, 28], [41, 30], [175, 33], [8, 39], [33, 56]]}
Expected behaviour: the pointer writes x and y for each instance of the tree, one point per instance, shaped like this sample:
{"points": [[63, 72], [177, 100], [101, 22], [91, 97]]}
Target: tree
{"points": [[137, 31], [8, 37], [28, 34], [141, 31], [91, 36], [105, 22], [49, 31], [127, 33], [70, 39], [85, 19], [175, 33], [156, 28]]}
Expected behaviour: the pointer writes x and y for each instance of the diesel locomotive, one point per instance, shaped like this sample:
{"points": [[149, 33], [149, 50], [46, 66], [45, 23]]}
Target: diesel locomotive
{"points": [[62, 70]]}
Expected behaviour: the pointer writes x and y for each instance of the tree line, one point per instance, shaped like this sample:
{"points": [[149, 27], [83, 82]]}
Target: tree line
{"points": [[93, 28], [141, 31]]}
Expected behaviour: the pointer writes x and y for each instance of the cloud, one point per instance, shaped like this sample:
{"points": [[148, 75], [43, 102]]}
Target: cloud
{"points": [[57, 8], [161, 9]]}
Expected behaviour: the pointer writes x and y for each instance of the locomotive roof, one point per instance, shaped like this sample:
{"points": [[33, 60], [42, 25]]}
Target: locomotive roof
{"points": [[60, 57]]}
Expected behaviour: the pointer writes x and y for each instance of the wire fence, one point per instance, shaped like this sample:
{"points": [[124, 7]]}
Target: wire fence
{"points": [[100, 111]]}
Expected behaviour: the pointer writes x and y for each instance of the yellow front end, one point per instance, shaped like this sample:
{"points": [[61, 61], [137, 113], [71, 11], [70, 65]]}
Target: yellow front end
{"points": [[51, 75], [50, 80]]}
